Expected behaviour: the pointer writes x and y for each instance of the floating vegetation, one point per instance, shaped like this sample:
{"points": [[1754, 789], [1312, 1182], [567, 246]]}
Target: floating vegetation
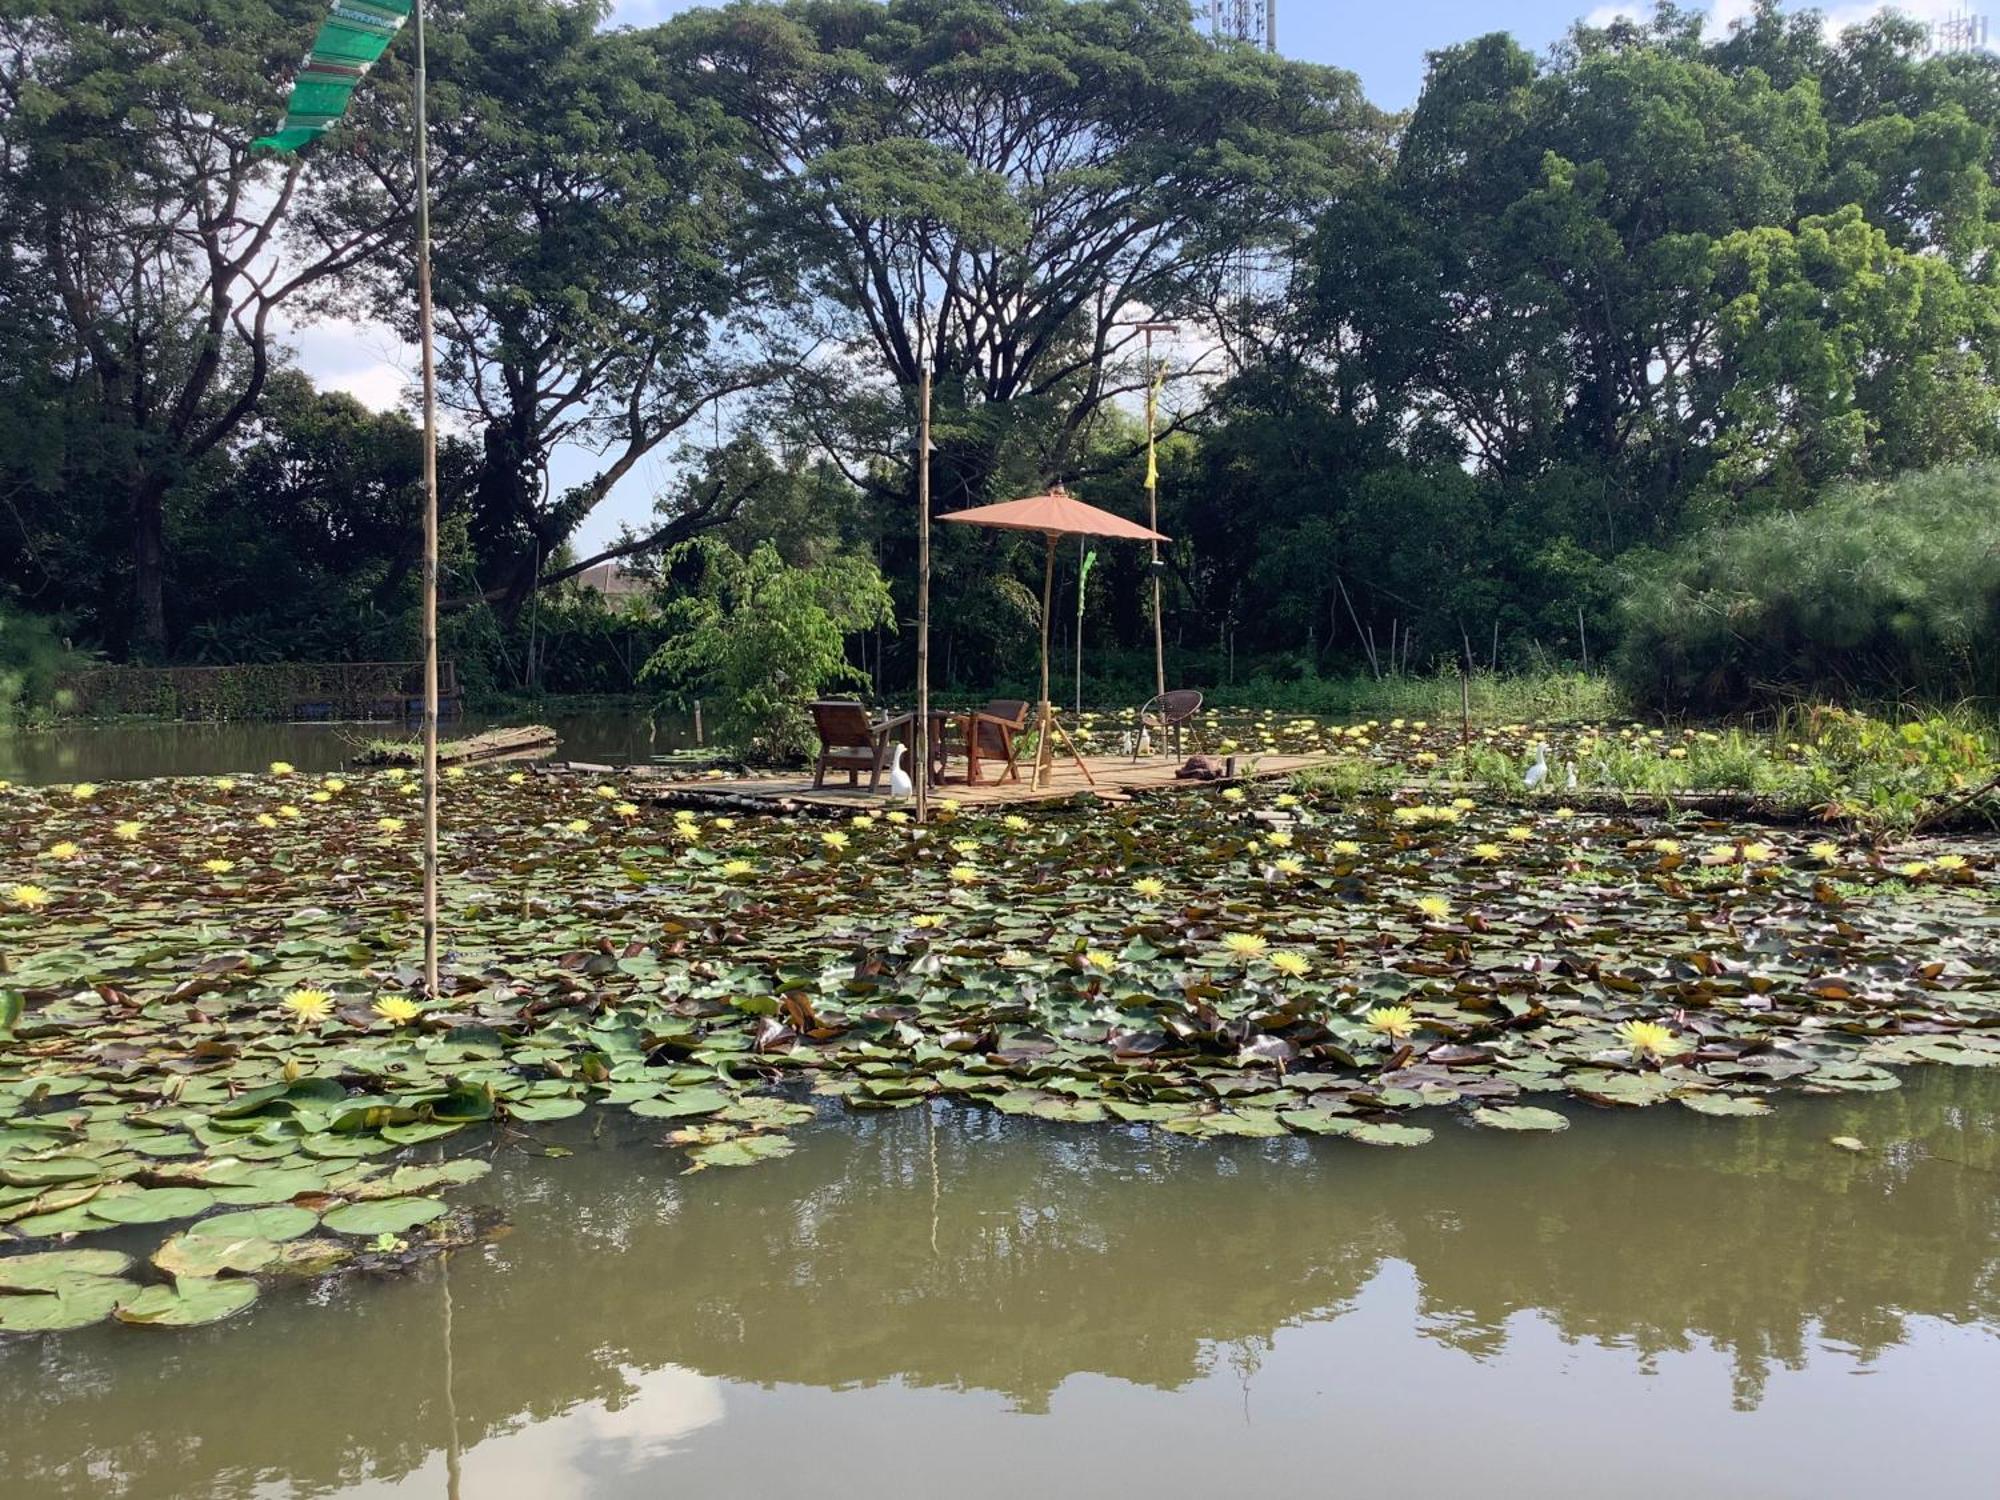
{"points": [[211, 1033]]}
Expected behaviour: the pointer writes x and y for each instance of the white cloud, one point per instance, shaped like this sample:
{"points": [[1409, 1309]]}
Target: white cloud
{"points": [[1722, 14], [364, 359]]}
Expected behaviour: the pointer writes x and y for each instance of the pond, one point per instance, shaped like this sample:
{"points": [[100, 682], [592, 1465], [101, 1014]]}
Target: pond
{"points": [[946, 1301], [125, 751]]}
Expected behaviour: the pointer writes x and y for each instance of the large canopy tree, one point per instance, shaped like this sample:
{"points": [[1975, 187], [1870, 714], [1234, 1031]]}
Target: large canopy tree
{"points": [[160, 249], [1003, 188], [594, 285]]}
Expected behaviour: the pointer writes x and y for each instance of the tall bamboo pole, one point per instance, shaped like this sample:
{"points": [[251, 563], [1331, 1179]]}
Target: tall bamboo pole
{"points": [[430, 526], [921, 772], [1153, 507]]}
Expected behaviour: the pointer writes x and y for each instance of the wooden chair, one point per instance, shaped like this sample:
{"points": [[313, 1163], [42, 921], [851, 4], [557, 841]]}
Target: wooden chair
{"points": [[1164, 714], [851, 741], [989, 734]]}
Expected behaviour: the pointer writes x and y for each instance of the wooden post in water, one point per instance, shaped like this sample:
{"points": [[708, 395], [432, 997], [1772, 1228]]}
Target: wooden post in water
{"points": [[920, 736], [430, 570]]}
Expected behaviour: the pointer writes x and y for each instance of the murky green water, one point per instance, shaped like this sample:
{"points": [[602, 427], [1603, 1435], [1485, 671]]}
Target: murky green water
{"points": [[119, 752], [950, 1303]]}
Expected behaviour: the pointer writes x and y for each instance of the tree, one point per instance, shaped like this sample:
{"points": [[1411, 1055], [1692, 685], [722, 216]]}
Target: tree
{"points": [[593, 285], [1002, 188], [167, 247], [761, 638]]}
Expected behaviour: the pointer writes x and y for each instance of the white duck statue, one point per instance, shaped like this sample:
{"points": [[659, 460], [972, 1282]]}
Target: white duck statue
{"points": [[1539, 771], [899, 779]]}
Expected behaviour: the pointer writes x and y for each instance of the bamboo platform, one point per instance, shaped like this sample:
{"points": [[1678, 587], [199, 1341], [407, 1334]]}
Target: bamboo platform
{"points": [[1117, 779]]}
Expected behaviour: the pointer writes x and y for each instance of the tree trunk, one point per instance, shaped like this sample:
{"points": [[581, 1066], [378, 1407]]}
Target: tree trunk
{"points": [[149, 566]]}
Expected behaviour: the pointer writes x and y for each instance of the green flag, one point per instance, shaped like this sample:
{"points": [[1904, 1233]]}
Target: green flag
{"points": [[352, 38]]}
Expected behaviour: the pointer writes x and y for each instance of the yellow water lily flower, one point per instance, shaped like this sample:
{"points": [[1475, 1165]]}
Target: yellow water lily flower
{"points": [[1232, 794], [607, 792], [1825, 851], [1346, 847], [965, 846], [1245, 944], [1291, 965], [725, 824], [265, 820], [282, 768], [1393, 1021], [964, 875], [129, 830], [319, 796], [736, 869], [1520, 833], [1666, 846], [1434, 907], [1097, 958], [1289, 865], [1148, 887], [1487, 851], [1913, 869], [862, 820], [1014, 823], [927, 919], [836, 840], [289, 811], [1949, 862], [28, 897], [1758, 853], [334, 784], [218, 866], [454, 773], [1650, 1039], [397, 1011], [517, 778], [1278, 839], [308, 1005], [898, 818], [83, 791], [1286, 799], [390, 825], [578, 825], [1565, 813], [627, 809], [1463, 804], [63, 850]]}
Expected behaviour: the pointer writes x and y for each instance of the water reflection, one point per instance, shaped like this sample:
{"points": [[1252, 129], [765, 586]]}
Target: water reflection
{"points": [[119, 752], [949, 1270]]}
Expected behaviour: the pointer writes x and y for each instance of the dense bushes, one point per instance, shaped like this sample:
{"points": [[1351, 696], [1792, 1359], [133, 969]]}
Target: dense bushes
{"points": [[1888, 590]]}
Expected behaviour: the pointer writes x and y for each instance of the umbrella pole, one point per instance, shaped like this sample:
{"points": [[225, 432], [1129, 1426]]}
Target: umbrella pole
{"points": [[1045, 726]]}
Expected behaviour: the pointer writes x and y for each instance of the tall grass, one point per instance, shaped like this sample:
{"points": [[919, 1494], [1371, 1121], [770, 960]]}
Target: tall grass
{"points": [[1880, 593]]}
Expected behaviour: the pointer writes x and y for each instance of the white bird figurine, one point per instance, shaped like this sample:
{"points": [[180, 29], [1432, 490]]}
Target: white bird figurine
{"points": [[1145, 742], [1569, 775], [899, 779], [1539, 771]]}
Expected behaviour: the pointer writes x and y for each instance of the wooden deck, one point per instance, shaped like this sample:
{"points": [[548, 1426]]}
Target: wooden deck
{"points": [[1117, 779]]}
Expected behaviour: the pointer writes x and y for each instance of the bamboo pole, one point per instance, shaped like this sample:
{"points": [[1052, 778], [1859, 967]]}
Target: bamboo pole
{"points": [[921, 731], [430, 526]]}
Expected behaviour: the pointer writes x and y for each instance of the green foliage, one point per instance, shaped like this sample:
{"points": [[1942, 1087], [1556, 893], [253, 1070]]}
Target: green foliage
{"points": [[30, 656], [760, 639], [1880, 590]]}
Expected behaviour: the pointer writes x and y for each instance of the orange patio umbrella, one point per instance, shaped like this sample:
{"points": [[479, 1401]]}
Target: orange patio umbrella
{"points": [[1056, 514]]}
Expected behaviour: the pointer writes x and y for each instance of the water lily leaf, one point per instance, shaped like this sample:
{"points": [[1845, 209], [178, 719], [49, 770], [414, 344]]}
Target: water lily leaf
{"points": [[682, 1105], [313, 1257], [80, 1302], [1725, 1104], [382, 1215], [543, 1109], [1846, 1143], [201, 1255], [744, 1151], [152, 1205], [1373, 1134], [284, 1222], [1519, 1117], [188, 1303], [48, 1270]]}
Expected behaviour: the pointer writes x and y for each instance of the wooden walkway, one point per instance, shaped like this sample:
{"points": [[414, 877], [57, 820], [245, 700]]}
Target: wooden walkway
{"points": [[1118, 779]]}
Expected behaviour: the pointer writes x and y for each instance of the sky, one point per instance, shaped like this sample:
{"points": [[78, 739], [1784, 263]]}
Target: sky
{"points": [[1384, 44]]}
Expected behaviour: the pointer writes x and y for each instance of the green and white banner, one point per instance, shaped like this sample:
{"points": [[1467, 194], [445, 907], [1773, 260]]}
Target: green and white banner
{"points": [[353, 37]]}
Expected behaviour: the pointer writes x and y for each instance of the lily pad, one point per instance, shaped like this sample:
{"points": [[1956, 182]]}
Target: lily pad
{"points": [[1725, 1104], [152, 1205], [50, 1269], [382, 1215], [202, 1255], [744, 1151], [283, 1222], [1519, 1117], [188, 1303], [81, 1302]]}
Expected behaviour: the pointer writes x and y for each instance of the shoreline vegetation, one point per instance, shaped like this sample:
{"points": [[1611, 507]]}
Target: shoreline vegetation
{"points": [[211, 1021]]}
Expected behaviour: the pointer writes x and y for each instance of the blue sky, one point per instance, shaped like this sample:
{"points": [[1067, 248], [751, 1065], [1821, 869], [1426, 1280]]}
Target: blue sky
{"points": [[1385, 44]]}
